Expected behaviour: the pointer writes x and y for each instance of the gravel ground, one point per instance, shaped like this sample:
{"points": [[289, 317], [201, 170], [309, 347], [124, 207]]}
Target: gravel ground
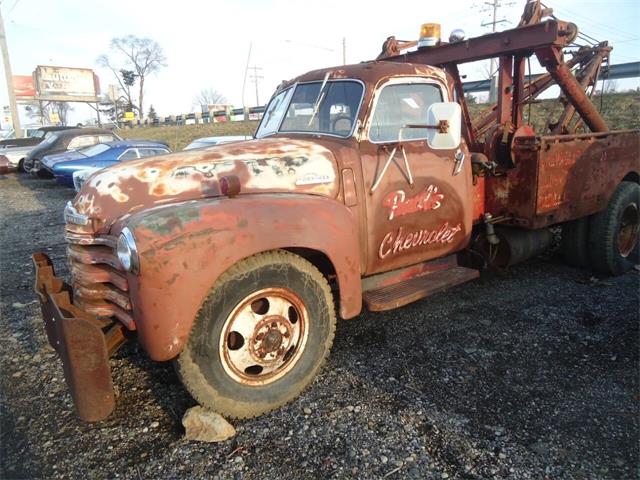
{"points": [[528, 374]]}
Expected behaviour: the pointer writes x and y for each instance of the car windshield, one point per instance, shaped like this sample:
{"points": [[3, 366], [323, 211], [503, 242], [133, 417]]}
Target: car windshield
{"points": [[94, 149], [329, 108]]}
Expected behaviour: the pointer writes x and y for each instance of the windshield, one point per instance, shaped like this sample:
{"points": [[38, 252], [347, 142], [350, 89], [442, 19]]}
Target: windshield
{"points": [[94, 149], [305, 108]]}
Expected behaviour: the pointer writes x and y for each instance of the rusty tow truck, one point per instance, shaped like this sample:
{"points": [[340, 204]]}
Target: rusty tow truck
{"points": [[366, 185]]}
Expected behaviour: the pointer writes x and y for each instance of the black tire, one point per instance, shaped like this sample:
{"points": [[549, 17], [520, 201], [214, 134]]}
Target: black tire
{"points": [[202, 367], [604, 231], [26, 166], [574, 244], [21, 165]]}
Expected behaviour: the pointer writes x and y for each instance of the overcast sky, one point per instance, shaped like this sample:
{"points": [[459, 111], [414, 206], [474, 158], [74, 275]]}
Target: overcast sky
{"points": [[207, 42]]}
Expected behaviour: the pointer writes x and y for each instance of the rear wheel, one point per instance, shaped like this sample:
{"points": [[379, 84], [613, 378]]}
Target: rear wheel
{"points": [[613, 233], [574, 245], [260, 337]]}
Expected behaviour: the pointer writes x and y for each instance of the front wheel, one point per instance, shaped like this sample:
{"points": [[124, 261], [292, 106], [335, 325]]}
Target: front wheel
{"points": [[613, 233], [26, 166], [260, 337]]}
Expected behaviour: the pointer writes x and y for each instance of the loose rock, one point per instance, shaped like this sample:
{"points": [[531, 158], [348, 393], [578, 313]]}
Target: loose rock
{"points": [[204, 425]]}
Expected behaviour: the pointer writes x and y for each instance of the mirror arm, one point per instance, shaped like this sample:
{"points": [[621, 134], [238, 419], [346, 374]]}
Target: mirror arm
{"points": [[442, 126]]}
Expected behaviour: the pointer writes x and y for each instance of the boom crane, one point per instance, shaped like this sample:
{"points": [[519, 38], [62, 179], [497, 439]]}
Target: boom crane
{"points": [[538, 34]]}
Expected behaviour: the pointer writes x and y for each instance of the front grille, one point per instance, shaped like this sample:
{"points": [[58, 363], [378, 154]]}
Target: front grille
{"points": [[100, 286]]}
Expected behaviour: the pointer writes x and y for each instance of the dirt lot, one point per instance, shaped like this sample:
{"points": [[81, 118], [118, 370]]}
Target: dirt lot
{"points": [[528, 374]]}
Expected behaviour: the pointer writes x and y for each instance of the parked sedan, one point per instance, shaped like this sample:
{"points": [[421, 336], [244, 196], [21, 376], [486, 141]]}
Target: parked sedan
{"points": [[63, 165], [64, 141]]}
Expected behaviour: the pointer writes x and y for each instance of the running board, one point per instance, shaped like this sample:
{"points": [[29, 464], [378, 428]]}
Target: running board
{"points": [[407, 291]]}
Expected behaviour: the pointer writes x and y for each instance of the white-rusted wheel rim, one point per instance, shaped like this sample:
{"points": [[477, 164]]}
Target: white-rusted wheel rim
{"points": [[264, 336]]}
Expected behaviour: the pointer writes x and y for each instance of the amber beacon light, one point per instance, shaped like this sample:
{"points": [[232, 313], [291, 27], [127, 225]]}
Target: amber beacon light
{"points": [[429, 35]]}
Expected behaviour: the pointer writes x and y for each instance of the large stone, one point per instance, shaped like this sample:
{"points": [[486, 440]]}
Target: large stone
{"points": [[205, 425]]}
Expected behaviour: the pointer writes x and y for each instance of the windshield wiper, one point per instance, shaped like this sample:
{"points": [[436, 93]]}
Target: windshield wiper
{"points": [[321, 96], [272, 111]]}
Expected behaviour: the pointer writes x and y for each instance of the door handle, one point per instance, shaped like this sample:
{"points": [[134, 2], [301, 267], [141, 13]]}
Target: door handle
{"points": [[460, 156]]}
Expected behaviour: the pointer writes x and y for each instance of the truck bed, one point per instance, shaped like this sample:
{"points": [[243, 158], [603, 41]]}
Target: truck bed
{"points": [[562, 177]]}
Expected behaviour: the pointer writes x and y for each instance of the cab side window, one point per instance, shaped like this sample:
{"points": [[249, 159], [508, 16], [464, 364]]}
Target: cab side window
{"points": [[400, 105]]}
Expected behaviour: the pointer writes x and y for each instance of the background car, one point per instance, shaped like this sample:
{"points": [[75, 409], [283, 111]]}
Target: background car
{"points": [[5, 165], [210, 141], [63, 165], [32, 136], [65, 140], [17, 155]]}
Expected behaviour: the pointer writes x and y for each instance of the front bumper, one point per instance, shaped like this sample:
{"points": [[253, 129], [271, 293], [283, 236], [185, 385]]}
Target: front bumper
{"points": [[64, 180], [83, 341]]}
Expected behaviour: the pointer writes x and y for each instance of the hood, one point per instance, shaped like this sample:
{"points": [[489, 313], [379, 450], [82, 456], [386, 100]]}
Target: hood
{"points": [[268, 165], [51, 160]]}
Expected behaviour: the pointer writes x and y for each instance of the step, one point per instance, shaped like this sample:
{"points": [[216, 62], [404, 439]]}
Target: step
{"points": [[403, 293]]}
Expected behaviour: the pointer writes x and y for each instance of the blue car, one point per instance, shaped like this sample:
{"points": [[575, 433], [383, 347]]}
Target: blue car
{"points": [[102, 155]]}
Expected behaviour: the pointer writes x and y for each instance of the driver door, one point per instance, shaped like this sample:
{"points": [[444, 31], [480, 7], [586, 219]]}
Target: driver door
{"points": [[417, 197]]}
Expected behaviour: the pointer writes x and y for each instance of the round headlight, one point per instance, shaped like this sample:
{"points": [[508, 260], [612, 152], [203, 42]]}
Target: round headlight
{"points": [[127, 251]]}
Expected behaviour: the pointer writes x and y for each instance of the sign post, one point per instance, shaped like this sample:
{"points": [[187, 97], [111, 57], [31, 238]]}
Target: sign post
{"points": [[15, 118]]}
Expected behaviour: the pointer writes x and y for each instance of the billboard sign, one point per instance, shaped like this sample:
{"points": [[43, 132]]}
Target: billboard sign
{"points": [[66, 84], [23, 86]]}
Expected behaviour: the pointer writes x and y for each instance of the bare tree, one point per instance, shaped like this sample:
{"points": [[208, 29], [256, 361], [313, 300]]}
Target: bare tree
{"points": [[62, 109], [42, 111], [208, 96], [137, 58], [38, 111]]}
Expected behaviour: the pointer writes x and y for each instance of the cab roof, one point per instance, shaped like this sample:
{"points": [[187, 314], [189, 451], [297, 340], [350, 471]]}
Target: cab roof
{"points": [[370, 73]]}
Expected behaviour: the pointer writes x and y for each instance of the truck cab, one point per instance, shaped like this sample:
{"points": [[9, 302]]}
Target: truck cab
{"points": [[406, 183]]}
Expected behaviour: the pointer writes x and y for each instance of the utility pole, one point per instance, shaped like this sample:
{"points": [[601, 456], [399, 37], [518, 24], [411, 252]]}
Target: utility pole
{"points": [[344, 51], [15, 119], [256, 78], [495, 5]]}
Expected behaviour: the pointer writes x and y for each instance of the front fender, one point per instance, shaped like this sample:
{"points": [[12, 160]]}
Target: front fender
{"points": [[185, 247]]}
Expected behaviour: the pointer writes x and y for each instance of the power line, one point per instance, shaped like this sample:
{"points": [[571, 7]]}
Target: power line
{"points": [[494, 5], [595, 26]]}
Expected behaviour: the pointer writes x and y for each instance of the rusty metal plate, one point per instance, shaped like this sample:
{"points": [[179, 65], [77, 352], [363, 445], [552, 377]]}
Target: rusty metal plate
{"points": [[79, 341]]}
